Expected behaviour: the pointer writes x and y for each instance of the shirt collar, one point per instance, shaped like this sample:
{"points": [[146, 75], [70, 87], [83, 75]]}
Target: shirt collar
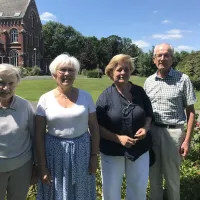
{"points": [[13, 104], [171, 73]]}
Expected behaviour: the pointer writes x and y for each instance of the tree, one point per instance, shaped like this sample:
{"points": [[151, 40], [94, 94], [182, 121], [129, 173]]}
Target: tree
{"points": [[190, 65], [145, 64], [59, 38]]}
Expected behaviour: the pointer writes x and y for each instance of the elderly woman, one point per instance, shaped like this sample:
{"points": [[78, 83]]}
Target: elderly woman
{"points": [[67, 152], [124, 114], [16, 130]]}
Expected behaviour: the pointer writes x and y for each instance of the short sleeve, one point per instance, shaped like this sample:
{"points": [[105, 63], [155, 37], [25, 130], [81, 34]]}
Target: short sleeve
{"points": [[189, 94], [91, 105], [40, 109], [101, 109], [31, 120]]}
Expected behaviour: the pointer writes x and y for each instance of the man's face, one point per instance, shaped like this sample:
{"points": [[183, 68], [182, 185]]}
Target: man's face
{"points": [[163, 57]]}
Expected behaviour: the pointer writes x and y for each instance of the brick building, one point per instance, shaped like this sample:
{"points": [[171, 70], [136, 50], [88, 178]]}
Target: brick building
{"points": [[21, 40]]}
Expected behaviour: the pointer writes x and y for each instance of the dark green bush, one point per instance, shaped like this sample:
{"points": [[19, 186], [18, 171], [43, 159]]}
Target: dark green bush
{"points": [[35, 71], [23, 72], [94, 74], [84, 72], [190, 174]]}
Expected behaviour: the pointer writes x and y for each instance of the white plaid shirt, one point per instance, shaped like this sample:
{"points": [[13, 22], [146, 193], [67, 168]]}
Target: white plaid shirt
{"points": [[170, 96]]}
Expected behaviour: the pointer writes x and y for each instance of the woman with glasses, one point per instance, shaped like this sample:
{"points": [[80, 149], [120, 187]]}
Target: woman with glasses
{"points": [[66, 151], [17, 119], [124, 114]]}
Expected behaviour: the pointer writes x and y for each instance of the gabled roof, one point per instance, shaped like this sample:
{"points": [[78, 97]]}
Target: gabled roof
{"points": [[13, 8]]}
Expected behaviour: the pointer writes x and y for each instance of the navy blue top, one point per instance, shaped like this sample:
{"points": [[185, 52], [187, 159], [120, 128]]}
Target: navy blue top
{"points": [[122, 117]]}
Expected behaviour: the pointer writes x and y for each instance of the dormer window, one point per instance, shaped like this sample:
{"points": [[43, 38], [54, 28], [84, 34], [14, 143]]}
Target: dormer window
{"points": [[14, 35]]}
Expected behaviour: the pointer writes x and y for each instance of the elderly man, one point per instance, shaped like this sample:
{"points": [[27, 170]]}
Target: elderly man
{"points": [[171, 94]]}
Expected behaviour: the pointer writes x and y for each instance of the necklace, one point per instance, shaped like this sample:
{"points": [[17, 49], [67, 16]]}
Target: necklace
{"points": [[62, 95]]}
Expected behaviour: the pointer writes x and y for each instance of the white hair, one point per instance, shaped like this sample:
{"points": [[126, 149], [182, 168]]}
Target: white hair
{"points": [[10, 70], [170, 47], [62, 60]]}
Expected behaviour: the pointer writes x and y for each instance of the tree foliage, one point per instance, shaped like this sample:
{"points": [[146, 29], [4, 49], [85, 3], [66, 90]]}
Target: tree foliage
{"points": [[96, 53]]}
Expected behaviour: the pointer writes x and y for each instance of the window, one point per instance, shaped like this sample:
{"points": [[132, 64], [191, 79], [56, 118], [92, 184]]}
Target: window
{"points": [[14, 35], [33, 18], [14, 57], [32, 40]]}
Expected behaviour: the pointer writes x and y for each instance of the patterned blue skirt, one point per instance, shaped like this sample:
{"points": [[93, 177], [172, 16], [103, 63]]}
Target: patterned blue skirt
{"points": [[68, 161]]}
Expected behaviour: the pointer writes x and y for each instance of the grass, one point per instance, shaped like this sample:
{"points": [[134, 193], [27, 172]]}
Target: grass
{"points": [[33, 89]]}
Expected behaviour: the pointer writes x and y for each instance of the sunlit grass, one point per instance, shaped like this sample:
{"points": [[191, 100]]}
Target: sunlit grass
{"points": [[33, 89]]}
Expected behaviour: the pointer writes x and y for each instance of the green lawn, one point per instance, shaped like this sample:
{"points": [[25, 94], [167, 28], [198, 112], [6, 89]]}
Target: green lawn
{"points": [[33, 89]]}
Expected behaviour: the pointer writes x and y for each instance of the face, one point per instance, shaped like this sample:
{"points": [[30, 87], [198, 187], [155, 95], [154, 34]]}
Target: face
{"points": [[121, 73], [8, 85], [163, 57], [65, 76]]}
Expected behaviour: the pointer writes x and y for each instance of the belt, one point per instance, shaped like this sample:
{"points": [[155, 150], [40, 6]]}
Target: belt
{"points": [[165, 125]]}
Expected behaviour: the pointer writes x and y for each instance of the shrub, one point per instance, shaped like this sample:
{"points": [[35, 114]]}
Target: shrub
{"points": [[190, 173], [84, 72], [23, 71], [94, 74], [35, 71]]}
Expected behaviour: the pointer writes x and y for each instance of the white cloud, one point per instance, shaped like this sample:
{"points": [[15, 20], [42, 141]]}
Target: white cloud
{"points": [[166, 21], [155, 11], [174, 31], [167, 36], [141, 43], [47, 16], [171, 34], [178, 31], [184, 48]]}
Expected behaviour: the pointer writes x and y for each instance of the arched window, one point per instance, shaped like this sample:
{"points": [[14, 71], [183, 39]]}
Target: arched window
{"points": [[33, 19], [14, 35], [14, 57]]}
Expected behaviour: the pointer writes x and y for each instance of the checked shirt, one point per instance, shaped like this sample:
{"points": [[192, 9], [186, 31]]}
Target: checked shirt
{"points": [[170, 96]]}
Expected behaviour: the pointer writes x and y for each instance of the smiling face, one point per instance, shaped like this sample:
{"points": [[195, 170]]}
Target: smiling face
{"points": [[65, 76], [163, 57], [121, 73], [8, 85]]}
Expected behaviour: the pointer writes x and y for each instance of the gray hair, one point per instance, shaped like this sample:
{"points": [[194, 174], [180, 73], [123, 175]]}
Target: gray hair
{"points": [[9, 69], [62, 60], [170, 47]]}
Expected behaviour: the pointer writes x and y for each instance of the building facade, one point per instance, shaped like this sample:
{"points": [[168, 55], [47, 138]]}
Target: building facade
{"points": [[21, 39]]}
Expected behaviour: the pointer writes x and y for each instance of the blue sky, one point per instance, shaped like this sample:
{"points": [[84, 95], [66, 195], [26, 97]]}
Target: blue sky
{"points": [[146, 22]]}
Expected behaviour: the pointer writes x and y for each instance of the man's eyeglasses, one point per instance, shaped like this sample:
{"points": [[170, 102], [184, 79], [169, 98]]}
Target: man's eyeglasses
{"points": [[128, 109], [166, 56]]}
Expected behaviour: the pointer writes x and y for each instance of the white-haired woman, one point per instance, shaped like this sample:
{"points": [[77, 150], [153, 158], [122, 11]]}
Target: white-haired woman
{"points": [[67, 152], [16, 131]]}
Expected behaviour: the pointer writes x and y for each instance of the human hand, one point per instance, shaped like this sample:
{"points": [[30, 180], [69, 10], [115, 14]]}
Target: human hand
{"points": [[45, 175], [94, 163], [127, 141], [141, 134], [184, 149]]}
